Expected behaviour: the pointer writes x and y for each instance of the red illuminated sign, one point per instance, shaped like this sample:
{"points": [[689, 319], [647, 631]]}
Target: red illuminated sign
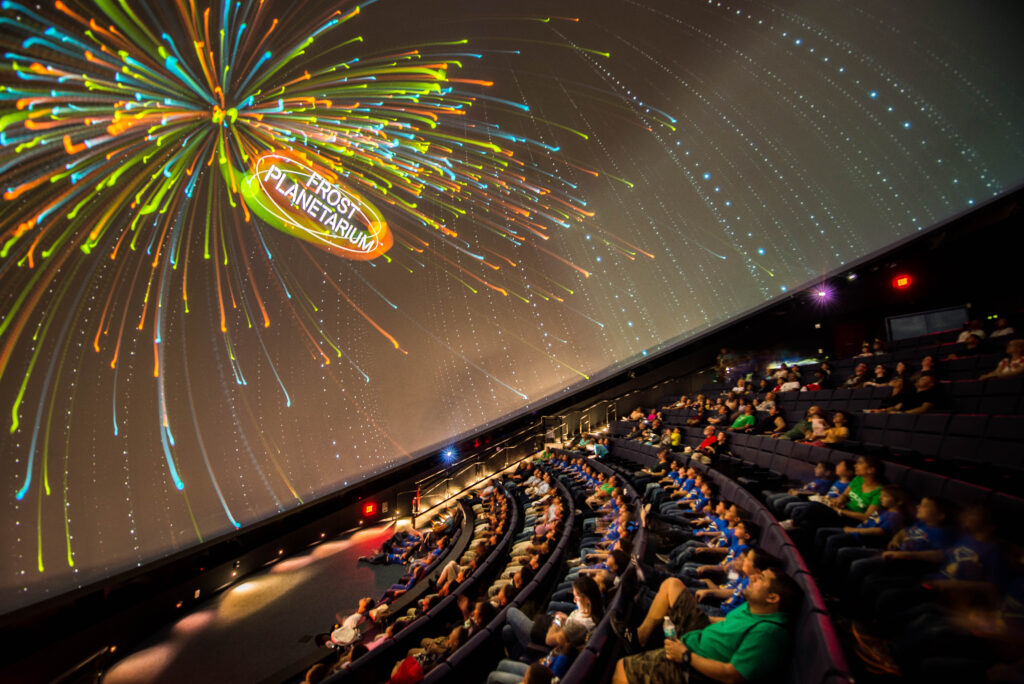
{"points": [[369, 508], [901, 282]]}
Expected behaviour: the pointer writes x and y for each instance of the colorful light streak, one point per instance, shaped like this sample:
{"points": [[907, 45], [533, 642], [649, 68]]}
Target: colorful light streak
{"points": [[126, 136]]}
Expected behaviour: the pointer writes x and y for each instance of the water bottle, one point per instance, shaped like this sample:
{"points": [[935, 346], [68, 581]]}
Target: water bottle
{"points": [[669, 628]]}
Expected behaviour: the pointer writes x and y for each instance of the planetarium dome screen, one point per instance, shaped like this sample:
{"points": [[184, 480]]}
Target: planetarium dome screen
{"points": [[254, 252]]}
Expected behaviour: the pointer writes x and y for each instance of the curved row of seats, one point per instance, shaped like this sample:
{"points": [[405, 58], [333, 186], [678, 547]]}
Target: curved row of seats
{"points": [[484, 648], [818, 655], [596, 659], [377, 664]]}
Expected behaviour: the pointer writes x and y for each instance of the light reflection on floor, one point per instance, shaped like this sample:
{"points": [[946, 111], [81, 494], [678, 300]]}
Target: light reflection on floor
{"points": [[262, 624]]}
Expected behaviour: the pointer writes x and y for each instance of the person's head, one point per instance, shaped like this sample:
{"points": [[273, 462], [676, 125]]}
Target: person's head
{"points": [[566, 637], [745, 530], [901, 368], [936, 512], [733, 514], [824, 469], [928, 363], [538, 674], [894, 498], [1015, 348], [977, 520], [880, 371], [505, 594], [771, 591], [844, 469], [869, 467], [972, 341], [813, 411], [618, 561], [861, 368], [316, 674], [756, 561], [865, 346], [709, 431], [483, 613], [749, 409], [774, 411], [839, 418], [878, 345], [721, 438], [587, 597], [365, 604], [456, 638]]}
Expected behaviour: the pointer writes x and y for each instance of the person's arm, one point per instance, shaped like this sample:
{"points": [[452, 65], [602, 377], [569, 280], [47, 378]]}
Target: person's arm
{"points": [[897, 540], [923, 408], [874, 531], [934, 556], [719, 671], [860, 517], [839, 503], [721, 593]]}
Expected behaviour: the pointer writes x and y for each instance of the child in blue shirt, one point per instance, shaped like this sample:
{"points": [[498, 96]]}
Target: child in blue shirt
{"points": [[844, 473], [883, 524], [824, 476]]}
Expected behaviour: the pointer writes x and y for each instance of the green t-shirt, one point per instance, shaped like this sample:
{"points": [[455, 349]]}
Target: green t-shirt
{"points": [[746, 420], [756, 645], [860, 501]]}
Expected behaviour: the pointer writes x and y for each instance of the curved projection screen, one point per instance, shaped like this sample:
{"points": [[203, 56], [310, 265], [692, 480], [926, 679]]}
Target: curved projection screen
{"points": [[253, 252]]}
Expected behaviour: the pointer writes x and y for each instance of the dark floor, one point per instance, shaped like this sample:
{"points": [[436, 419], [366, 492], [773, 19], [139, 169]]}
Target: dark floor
{"points": [[267, 621]]}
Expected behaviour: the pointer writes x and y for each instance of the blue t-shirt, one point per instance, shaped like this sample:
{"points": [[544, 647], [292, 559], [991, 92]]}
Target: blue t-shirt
{"points": [[735, 551], [976, 561], [737, 599], [688, 484], [819, 485], [556, 662], [921, 537], [837, 489], [891, 522]]}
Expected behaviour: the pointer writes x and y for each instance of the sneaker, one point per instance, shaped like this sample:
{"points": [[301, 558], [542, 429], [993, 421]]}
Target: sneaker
{"points": [[787, 525], [663, 558]]}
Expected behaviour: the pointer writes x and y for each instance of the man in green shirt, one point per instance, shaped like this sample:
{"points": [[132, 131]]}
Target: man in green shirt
{"points": [[745, 421], [752, 643]]}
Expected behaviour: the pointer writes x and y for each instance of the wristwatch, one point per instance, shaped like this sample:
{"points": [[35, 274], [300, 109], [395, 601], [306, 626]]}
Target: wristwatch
{"points": [[687, 655]]}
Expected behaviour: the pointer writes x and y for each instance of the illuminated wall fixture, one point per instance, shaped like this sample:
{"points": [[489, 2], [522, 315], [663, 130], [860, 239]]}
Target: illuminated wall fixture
{"points": [[369, 509], [902, 282]]}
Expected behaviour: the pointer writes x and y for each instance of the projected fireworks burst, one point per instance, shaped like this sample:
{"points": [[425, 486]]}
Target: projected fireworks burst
{"points": [[128, 136]]}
